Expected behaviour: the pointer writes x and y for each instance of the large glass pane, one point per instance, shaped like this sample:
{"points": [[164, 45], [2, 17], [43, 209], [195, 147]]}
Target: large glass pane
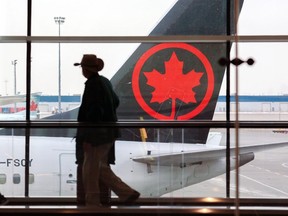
{"points": [[128, 17], [266, 175], [12, 163], [13, 18], [97, 18], [265, 77], [263, 17], [13, 82], [51, 163], [208, 175], [263, 170], [262, 87]]}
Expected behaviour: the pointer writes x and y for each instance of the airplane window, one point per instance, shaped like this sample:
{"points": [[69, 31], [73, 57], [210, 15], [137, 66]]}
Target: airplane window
{"points": [[31, 178], [3, 178], [16, 178]]}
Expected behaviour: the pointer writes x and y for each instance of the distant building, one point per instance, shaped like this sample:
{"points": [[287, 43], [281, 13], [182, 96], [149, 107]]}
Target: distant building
{"points": [[247, 103], [49, 103], [251, 103]]}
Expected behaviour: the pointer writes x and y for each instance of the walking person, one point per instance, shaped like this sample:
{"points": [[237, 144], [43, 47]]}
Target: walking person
{"points": [[95, 146]]}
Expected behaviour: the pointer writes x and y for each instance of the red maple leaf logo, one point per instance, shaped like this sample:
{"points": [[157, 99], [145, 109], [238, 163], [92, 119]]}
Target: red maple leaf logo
{"points": [[33, 106], [173, 84]]}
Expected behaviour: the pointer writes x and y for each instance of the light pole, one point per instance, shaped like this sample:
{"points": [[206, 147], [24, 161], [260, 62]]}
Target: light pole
{"points": [[14, 63], [59, 21]]}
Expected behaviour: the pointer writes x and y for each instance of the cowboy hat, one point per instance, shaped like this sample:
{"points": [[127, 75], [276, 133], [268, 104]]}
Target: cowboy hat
{"points": [[91, 62]]}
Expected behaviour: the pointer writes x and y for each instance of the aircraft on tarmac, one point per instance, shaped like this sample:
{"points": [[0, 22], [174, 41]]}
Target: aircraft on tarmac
{"points": [[153, 161], [10, 99], [19, 114]]}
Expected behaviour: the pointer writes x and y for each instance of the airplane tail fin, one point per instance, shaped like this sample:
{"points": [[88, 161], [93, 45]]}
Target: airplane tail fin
{"points": [[176, 81]]}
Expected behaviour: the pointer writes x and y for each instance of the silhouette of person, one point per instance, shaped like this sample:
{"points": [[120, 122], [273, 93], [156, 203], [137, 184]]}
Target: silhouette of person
{"points": [[95, 145]]}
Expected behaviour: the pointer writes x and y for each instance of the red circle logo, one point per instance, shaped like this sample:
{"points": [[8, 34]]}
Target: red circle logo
{"points": [[173, 84]]}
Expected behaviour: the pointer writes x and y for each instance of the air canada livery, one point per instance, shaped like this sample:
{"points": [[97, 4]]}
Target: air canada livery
{"points": [[161, 81], [21, 113]]}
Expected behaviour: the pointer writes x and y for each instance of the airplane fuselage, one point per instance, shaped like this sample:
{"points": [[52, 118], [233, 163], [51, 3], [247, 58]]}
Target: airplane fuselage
{"points": [[52, 166]]}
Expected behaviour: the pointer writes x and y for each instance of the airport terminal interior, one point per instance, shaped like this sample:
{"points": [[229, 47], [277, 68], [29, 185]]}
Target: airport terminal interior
{"points": [[202, 123]]}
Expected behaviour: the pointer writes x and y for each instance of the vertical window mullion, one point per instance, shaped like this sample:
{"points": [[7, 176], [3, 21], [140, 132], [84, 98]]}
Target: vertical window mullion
{"points": [[28, 96]]}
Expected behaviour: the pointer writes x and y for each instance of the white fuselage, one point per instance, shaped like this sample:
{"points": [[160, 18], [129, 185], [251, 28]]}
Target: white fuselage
{"points": [[52, 166]]}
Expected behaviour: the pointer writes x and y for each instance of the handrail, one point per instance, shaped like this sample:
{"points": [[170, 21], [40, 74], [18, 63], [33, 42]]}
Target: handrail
{"points": [[171, 201], [144, 39], [146, 124], [150, 207]]}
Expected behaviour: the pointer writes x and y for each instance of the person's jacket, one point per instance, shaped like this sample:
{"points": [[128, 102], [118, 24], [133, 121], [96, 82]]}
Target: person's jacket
{"points": [[99, 104]]}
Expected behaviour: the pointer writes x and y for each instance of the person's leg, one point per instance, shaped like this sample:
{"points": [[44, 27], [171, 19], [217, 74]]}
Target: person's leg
{"points": [[120, 188], [105, 193], [93, 157], [80, 186], [91, 175]]}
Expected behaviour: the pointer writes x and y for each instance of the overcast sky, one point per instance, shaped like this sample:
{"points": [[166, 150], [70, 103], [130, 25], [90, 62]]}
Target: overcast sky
{"points": [[127, 17]]}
